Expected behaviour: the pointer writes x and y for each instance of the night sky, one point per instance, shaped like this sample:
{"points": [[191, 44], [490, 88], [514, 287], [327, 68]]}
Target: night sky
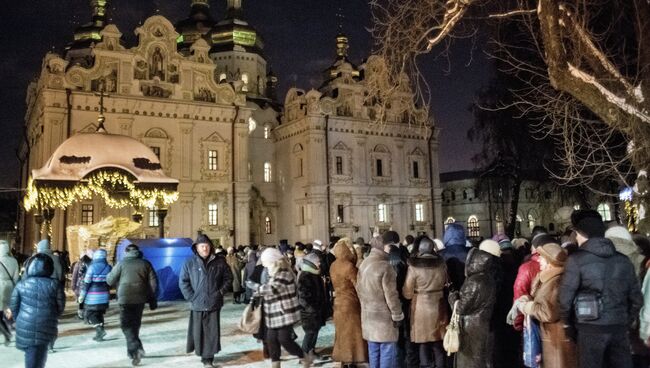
{"points": [[299, 37]]}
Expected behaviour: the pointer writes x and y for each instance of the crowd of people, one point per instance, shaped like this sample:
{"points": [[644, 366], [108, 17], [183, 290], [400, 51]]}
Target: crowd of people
{"points": [[554, 300]]}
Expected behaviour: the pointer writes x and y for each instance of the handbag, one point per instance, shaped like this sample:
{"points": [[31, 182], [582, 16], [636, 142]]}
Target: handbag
{"points": [[451, 341], [532, 343], [587, 306], [251, 318]]}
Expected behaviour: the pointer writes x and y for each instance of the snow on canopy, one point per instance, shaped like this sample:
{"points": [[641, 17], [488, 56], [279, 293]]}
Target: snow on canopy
{"points": [[84, 153]]}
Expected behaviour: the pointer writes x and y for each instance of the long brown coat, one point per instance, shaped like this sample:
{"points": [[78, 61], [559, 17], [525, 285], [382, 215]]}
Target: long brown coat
{"points": [[558, 351], [425, 281], [349, 346], [380, 304]]}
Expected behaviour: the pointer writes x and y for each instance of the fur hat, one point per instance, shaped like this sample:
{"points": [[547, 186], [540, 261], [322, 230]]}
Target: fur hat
{"points": [[552, 253], [270, 256], [390, 237], [618, 231], [491, 247], [589, 223]]}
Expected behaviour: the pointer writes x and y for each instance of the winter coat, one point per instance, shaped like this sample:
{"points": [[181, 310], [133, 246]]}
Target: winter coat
{"points": [[455, 254], [424, 286], [475, 305], [311, 295], [36, 303], [644, 316], [524, 283], [235, 268], [204, 282], [349, 346], [280, 295], [631, 251], [558, 351], [95, 290], [598, 268], [380, 304], [134, 278], [8, 275], [78, 273]]}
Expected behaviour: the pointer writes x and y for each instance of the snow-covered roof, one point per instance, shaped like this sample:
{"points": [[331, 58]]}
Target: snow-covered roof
{"points": [[84, 153]]}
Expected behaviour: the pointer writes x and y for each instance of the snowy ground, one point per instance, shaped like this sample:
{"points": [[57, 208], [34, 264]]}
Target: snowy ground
{"points": [[163, 335]]}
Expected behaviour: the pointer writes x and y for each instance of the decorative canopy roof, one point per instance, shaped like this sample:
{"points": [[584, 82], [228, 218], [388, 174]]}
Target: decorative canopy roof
{"points": [[234, 32], [84, 153]]}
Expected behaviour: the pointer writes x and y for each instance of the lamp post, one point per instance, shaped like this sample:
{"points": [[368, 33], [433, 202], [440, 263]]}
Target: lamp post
{"points": [[162, 213]]}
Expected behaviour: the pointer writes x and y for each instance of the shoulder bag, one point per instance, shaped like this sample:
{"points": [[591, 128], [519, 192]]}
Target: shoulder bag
{"points": [[451, 341], [251, 318]]}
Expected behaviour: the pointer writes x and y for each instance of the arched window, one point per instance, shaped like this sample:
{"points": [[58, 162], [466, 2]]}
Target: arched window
{"points": [[267, 131], [605, 211], [464, 193], [531, 221], [267, 172], [473, 227], [453, 195], [450, 220], [244, 78], [252, 124], [222, 77], [382, 212], [267, 225]]}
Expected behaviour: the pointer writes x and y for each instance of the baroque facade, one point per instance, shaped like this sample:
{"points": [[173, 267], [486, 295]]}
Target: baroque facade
{"points": [[483, 210], [250, 170]]}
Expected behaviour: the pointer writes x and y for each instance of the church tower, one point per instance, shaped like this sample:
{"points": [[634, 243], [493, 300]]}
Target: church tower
{"points": [[196, 26], [237, 50], [78, 52]]}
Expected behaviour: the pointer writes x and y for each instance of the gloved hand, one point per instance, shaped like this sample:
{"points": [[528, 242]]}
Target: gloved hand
{"points": [[521, 302], [571, 332], [397, 324], [252, 285], [453, 297], [512, 314]]}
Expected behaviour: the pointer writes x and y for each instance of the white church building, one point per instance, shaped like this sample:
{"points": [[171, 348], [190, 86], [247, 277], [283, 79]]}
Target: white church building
{"points": [[251, 169]]}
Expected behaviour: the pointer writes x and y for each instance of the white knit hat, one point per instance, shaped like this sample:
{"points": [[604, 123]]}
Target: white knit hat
{"points": [[618, 232], [270, 256], [439, 244], [317, 244], [491, 247]]}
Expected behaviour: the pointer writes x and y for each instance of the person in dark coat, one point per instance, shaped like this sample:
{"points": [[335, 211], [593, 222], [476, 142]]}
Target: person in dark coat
{"points": [[597, 269], [95, 293], [476, 301], [455, 254], [204, 280], [311, 295], [36, 303], [136, 283]]}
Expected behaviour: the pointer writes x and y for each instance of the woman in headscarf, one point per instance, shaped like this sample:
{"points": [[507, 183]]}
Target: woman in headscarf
{"points": [[349, 347]]}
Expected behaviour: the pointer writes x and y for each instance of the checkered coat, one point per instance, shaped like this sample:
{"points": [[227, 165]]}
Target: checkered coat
{"points": [[281, 306]]}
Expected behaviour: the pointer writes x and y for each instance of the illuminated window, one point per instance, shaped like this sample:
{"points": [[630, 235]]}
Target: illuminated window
{"points": [[339, 165], [339, 214], [416, 170], [605, 212], [267, 131], [213, 160], [576, 206], [156, 151], [450, 220], [213, 214], [152, 213], [267, 225], [382, 212], [531, 221], [87, 214], [267, 172], [380, 168], [244, 78], [252, 124], [222, 77], [473, 226], [419, 212]]}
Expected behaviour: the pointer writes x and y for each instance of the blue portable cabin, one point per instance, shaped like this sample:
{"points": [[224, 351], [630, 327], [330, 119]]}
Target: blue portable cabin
{"points": [[167, 256]]}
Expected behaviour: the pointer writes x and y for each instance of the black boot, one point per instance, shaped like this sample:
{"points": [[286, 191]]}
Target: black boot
{"points": [[99, 333]]}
